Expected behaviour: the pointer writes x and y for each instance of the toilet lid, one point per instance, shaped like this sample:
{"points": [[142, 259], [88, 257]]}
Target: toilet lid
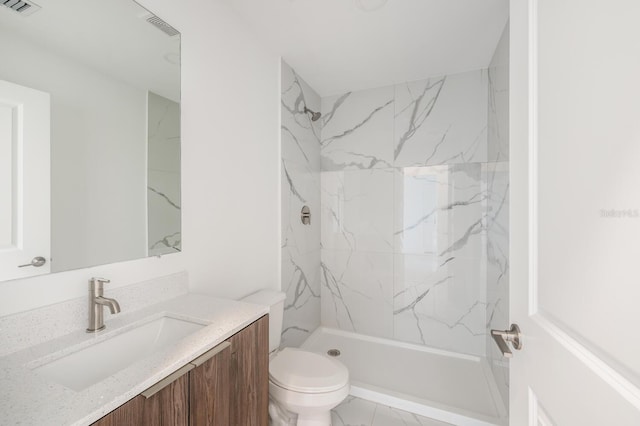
{"points": [[308, 372]]}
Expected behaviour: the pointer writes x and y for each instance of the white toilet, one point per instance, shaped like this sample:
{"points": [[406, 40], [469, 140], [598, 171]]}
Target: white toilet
{"points": [[303, 386]]}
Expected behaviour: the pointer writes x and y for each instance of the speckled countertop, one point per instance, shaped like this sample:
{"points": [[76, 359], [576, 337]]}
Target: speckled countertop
{"points": [[28, 399]]}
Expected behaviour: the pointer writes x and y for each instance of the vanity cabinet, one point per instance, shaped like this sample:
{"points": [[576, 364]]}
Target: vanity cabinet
{"points": [[167, 407], [227, 386]]}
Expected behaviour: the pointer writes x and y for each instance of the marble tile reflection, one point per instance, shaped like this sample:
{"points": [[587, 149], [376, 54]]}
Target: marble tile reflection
{"points": [[441, 120], [439, 210], [163, 176]]}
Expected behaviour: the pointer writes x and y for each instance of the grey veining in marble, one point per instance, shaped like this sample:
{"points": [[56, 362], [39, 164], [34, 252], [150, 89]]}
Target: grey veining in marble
{"points": [[300, 182], [163, 185], [420, 108], [165, 196], [34, 327], [357, 130], [441, 120]]}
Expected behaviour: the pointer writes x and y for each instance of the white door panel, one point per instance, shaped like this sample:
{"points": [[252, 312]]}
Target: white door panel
{"points": [[588, 155], [575, 205], [25, 180], [575, 211]]}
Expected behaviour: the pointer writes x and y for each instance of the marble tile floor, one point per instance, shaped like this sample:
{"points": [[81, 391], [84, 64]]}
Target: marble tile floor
{"points": [[359, 412]]}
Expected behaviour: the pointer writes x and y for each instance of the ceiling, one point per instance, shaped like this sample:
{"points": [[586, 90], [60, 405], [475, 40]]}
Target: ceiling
{"points": [[110, 36], [339, 46]]}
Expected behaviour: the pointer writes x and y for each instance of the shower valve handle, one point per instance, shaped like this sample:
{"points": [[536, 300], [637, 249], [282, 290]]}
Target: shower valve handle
{"points": [[502, 337]]}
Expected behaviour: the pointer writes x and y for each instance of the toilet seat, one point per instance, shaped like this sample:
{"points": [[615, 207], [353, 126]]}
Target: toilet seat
{"points": [[307, 372]]}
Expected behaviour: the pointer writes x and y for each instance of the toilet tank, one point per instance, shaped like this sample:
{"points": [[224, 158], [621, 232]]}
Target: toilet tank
{"points": [[275, 301]]}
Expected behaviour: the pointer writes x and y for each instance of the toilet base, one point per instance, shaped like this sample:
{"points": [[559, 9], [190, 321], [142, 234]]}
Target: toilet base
{"points": [[315, 419], [280, 417]]}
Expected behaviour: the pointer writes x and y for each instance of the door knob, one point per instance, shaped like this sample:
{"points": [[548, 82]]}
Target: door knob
{"points": [[36, 261], [503, 337]]}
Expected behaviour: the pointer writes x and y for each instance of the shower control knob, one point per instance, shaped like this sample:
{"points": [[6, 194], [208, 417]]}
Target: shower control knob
{"points": [[305, 215], [503, 337]]}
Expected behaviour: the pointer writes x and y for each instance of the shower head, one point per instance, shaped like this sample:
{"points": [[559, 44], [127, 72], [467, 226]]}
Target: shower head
{"points": [[315, 116]]}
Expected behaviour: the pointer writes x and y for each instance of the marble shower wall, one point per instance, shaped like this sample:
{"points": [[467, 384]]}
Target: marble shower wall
{"points": [[404, 206], [300, 181], [163, 176], [497, 181]]}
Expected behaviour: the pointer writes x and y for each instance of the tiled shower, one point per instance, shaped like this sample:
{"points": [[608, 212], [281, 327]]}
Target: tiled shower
{"points": [[408, 189]]}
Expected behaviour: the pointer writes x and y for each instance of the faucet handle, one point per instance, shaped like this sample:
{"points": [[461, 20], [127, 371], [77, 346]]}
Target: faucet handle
{"points": [[95, 285]]}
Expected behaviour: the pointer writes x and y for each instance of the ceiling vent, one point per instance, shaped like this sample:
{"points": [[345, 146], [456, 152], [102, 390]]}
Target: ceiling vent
{"points": [[24, 8], [161, 25]]}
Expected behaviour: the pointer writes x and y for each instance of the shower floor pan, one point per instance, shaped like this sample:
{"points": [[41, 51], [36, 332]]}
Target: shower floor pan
{"points": [[446, 386]]}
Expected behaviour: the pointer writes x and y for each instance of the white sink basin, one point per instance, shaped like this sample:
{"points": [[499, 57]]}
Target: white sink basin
{"points": [[95, 363]]}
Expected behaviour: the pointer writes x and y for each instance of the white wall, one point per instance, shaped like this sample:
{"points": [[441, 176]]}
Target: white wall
{"points": [[230, 163]]}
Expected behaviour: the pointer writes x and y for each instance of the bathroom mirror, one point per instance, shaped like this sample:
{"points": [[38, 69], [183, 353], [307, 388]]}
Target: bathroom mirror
{"points": [[89, 135]]}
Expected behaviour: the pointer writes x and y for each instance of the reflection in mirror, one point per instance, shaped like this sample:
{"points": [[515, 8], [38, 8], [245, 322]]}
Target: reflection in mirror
{"points": [[106, 77], [163, 178]]}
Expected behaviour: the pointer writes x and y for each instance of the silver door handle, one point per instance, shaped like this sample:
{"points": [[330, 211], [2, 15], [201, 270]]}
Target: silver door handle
{"points": [[36, 261], [502, 337]]}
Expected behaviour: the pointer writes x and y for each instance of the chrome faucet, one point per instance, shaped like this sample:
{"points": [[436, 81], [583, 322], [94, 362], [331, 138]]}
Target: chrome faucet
{"points": [[97, 302]]}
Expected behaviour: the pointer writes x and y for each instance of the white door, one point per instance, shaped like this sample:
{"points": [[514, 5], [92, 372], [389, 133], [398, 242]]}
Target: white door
{"points": [[575, 211], [24, 182]]}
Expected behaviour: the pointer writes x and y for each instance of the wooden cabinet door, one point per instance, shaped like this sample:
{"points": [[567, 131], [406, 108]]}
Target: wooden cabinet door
{"points": [[250, 374], [129, 413], [169, 406], [210, 388]]}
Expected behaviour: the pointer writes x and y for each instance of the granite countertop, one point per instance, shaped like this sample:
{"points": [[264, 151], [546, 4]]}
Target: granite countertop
{"points": [[29, 399]]}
